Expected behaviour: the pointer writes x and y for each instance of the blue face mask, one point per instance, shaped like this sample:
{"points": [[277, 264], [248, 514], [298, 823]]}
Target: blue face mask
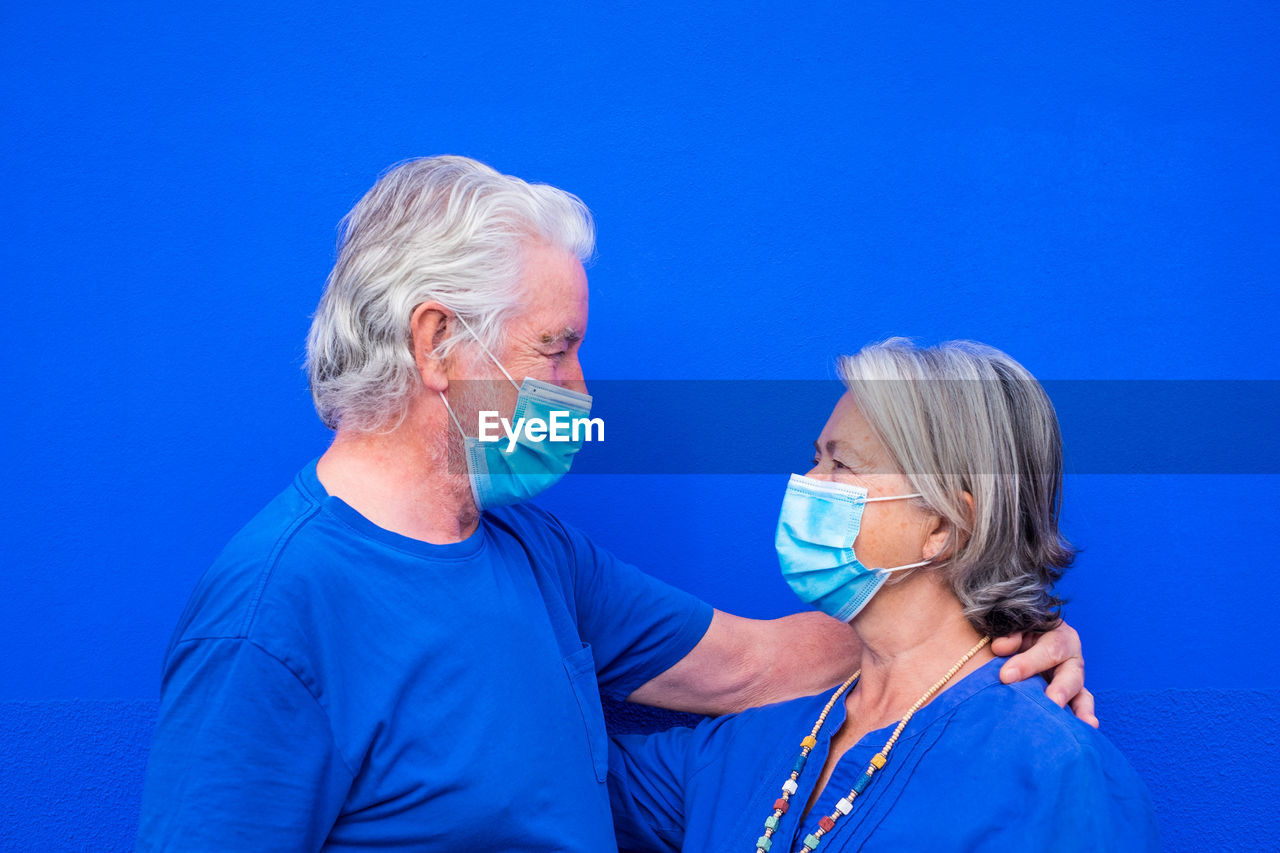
{"points": [[501, 473], [816, 530]]}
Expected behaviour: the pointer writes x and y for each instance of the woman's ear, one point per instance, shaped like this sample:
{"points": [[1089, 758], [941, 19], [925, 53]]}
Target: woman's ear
{"points": [[944, 538], [428, 327], [938, 542]]}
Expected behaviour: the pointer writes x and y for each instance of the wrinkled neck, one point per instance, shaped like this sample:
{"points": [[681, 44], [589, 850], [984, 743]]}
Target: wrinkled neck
{"points": [[407, 480], [912, 633]]}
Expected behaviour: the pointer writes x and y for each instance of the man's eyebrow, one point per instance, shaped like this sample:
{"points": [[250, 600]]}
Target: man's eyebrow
{"points": [[568, 335]]}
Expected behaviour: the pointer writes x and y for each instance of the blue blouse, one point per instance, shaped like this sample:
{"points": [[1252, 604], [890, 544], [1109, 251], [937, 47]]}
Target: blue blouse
{"points": [[984, 766]]}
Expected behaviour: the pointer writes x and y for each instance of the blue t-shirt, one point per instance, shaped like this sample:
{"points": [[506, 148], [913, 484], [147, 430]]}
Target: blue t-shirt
{"points": [[335, 686], [983, 767]]}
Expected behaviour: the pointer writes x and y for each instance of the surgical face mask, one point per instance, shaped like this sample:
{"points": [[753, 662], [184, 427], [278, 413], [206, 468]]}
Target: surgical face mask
{"points": [[816, 530], [502, 472]]}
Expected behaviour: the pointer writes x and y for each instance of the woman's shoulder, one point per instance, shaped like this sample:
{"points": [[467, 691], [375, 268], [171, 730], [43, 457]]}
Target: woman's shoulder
{"points": [[777, 716], [1016, 727], [716, 751], [1013, 745], [762, 732], [1026, 717], [1020, 716]]}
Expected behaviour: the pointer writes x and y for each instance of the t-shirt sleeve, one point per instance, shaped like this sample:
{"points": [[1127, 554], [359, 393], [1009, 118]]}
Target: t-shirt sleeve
{"points": [[243, 756], [637, 625]]}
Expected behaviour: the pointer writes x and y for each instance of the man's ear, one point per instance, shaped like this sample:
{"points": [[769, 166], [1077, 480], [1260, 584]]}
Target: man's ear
{"points": [[428, 328], [944, 538]]}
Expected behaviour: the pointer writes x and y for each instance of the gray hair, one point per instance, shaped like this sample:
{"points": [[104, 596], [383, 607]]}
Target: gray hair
{"points": [[963, 417], [443, 229]]}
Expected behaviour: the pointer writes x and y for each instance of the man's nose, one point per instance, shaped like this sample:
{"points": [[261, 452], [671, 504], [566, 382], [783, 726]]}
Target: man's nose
{"points": [[573, 378]]}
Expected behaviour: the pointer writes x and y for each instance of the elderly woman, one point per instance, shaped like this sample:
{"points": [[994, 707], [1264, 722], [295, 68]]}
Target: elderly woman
{"points": [[930, 521]]}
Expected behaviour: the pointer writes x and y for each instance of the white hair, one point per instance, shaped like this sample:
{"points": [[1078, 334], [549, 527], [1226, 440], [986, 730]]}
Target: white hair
{"points": [[960, 418], [436, 229]]}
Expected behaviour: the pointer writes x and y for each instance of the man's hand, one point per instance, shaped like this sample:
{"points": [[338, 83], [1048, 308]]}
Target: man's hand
{"points": [[1057, 654]]}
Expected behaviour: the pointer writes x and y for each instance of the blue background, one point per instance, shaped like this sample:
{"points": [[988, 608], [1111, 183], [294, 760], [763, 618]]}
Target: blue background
{"points": [[1090, 186]]}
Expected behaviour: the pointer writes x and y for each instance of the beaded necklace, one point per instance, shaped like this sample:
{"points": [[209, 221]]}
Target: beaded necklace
{"points": [[845, 804]]}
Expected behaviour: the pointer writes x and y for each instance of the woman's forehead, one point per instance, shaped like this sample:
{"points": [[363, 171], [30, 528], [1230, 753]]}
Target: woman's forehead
{"points": [[848, 432], [846, 425]]}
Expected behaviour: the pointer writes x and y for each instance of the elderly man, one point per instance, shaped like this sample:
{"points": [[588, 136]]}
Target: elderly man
{"points": [[397, 651]]}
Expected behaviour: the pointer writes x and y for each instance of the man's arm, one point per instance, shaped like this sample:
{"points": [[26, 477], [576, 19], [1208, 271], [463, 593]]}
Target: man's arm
{"points": [[243, 756], [741, 663]]}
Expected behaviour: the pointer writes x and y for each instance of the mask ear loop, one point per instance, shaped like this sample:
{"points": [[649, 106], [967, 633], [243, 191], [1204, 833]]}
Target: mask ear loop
{"points": [[449, 409], [445, 400], [471, 480], [907, 566], [458, 317], [899, 498]]}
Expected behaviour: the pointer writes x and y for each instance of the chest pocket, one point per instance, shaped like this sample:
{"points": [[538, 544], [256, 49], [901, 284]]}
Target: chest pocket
{"points": [[580, 667]]}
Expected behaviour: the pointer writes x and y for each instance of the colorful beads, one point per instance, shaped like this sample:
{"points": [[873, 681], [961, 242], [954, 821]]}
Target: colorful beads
{"points": [[771, 822], [799, 765], [789, 786], [844, 805], [827, 823], [812, 841], [809, 742], [780, 805], [863, 781], [878, 760], [764, 842]]}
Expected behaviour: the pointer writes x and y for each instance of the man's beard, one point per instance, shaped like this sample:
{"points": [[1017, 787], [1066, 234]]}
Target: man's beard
{"points": [[468, 398]]}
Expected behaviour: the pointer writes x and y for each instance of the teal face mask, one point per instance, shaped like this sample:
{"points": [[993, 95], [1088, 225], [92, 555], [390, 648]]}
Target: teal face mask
{"points": [[502, 473], [816, 530]]}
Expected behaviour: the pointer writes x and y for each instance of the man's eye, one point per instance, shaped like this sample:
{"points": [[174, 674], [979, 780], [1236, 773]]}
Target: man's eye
{"points": [[840, 464]]}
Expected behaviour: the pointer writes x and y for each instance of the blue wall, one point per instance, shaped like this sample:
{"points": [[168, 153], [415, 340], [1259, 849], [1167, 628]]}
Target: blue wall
{"points": [[1090, 186]]}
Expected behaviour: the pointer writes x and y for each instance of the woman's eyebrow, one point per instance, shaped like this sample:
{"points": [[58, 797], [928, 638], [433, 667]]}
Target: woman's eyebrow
{"points": [[848, 455], [832, 446]]}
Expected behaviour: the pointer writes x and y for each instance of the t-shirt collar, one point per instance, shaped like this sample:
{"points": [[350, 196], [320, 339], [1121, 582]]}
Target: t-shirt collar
{"points": [[310, 484]]}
